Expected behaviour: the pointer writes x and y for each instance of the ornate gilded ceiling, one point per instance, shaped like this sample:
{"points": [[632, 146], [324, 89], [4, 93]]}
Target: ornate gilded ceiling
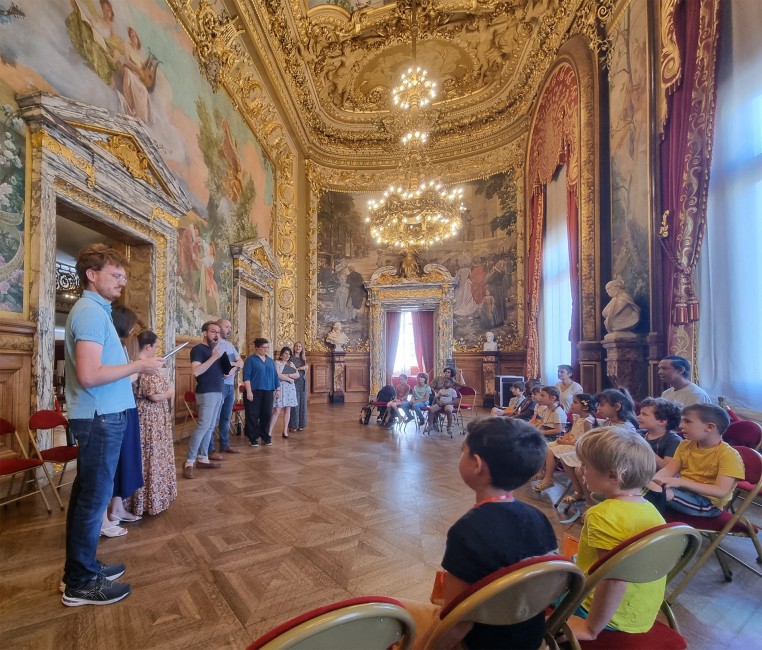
{"points": [[331, 69]]}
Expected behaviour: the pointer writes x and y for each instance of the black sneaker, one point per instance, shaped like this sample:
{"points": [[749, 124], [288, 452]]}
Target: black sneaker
{"points": [[254, 443], [269, 443], [111, 571], [100, 591]]}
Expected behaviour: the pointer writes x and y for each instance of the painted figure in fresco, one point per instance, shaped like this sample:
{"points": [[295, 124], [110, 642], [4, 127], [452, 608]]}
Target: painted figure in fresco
{"points": [[136, 78], [496, 284], [210, 290], [342, 296], [232, 184], [356, 292], [487, 310], [94, 38], [189, 259], [465, 305], [621, 315], [478, 281]]}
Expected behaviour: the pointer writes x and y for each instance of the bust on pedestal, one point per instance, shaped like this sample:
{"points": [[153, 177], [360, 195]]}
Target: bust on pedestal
{"points": [[621, 315], [338, 339], [490, 363], [490, 345], [625, 350]]}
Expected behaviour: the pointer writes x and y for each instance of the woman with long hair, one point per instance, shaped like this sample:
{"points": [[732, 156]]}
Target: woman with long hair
{"points": [[284, 400], [299, 412]]}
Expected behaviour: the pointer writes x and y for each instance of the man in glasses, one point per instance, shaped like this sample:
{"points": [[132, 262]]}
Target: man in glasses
{"points": [[210, 380], [98, 394]]}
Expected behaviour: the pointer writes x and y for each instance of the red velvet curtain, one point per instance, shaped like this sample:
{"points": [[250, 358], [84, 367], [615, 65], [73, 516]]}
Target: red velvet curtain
{"points": [[392, 339], [423, 339], [573, 234], [685, 158]]}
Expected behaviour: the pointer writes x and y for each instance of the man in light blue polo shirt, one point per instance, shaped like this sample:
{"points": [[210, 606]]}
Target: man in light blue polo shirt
{"points": [[98, 392]]}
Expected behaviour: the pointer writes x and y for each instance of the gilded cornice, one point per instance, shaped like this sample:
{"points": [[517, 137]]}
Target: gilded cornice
{"points": [[312, 58]]}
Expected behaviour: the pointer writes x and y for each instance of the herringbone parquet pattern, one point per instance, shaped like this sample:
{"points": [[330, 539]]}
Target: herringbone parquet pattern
{"points": [[338, 510]]}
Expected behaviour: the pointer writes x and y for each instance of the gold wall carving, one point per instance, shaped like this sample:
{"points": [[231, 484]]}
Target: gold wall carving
{"points": [[126, 150], [228, 65]]}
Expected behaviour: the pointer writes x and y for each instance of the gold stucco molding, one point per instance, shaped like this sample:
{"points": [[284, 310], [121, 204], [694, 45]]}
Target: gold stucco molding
{"points": [[228, 65]]}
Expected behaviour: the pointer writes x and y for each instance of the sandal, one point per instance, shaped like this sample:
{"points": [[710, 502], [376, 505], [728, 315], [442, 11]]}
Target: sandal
{"points": [[130, 517], [572, 518], [113, 531], [573, 498], [540, 487]]}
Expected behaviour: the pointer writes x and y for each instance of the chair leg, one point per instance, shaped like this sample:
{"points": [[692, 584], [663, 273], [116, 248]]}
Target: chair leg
{"points": [[723, 565], [52, 487], [691, 573], [670, 616], [42, 494]]}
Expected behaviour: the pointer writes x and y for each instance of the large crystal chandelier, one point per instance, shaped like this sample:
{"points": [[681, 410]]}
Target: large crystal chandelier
{"points": [[416, 211]]}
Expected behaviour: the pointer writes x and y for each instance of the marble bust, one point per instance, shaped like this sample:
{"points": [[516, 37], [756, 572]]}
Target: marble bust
{"points": [[337, 338], [621, 315], [490, 345]]}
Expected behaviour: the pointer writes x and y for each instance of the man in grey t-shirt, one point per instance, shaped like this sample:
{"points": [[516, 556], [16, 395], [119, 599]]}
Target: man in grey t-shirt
{"points": [[676, 371]]}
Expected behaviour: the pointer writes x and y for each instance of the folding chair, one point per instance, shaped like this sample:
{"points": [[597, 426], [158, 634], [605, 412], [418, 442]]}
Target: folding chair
{"points": [[512, 595], [238, 413], [57, 455], [365, 623], [651, 555], [10, 467], [726, 523], [466, 403]]}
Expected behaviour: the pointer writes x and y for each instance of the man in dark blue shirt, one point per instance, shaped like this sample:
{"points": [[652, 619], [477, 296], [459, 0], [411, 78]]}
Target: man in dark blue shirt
{"points": [[210, 378]]}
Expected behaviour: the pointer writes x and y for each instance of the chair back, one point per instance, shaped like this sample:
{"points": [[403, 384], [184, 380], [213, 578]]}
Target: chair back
{"points": [[752, 465], [47, 419], [6, 427], [366, 623], [651, 555], [744, 433], [513, 594], [190, 397]]}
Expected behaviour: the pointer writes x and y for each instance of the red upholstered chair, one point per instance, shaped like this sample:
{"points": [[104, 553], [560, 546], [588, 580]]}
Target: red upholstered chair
{"points": [[238, 412], [512, 595], [726, 523], [364, 623], [23, 465], [651, 555], [47, 420], [744, 433]]}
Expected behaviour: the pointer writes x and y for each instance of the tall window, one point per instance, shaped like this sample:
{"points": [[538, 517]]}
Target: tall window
{"points": [[556, 302], [405, 359], [730, 269]]}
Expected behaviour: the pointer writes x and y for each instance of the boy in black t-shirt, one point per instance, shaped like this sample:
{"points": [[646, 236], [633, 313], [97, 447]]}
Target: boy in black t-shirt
{"points": [[499, 455]]}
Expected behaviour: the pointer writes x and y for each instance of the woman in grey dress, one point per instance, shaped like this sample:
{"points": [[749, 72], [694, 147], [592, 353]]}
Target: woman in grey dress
{"points": [[287, 396], [299, 413]]}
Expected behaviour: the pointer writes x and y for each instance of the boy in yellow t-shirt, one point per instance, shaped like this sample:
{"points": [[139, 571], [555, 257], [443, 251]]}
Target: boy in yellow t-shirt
{"points": [[618, 463], [700, 478]]}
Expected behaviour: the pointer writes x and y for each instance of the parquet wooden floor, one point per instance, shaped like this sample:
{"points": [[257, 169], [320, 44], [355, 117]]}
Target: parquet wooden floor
{"points": [[338, 510]]}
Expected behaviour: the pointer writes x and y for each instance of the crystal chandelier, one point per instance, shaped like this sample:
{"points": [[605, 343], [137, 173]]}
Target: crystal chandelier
{"points": [[416, 211]]}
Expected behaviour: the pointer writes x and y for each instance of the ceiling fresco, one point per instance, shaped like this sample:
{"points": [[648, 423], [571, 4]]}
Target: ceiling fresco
{"points": [[333, 64]]}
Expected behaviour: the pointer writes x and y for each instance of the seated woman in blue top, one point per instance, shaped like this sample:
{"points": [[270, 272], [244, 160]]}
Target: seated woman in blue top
{"points": [[261, 382]]}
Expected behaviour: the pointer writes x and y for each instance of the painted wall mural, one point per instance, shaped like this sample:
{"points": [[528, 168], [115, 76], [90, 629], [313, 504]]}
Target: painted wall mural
{"points": [[629, 140], [12, 153], [483, 258], [134, 58]]}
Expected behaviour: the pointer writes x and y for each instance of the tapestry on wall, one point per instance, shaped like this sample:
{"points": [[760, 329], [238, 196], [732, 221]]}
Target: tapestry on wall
{"points": [[134, 58], [482, 257], [629, 142]]}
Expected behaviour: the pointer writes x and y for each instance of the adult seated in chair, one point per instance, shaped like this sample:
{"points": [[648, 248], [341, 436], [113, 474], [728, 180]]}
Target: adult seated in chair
{"points": [[499, 455], [455, 377]]}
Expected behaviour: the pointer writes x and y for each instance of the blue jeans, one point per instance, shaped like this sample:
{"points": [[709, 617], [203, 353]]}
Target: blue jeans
{"points": [[226, 412], [418, 408], [100, 441], [209, 405], [691, 503]]}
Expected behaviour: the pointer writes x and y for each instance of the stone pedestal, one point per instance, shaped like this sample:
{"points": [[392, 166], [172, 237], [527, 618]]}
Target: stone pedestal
{"points": [[627, 364], [337, 377], [590, 359], [490, 367]]}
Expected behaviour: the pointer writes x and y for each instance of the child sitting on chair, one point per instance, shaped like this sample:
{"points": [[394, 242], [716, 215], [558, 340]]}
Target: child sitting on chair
{"points": [[517, 390], [444, 401], [552, 417], [499, 455], [421, 395], [616, 463], [583, 411], [699, 480], [660, 417]]}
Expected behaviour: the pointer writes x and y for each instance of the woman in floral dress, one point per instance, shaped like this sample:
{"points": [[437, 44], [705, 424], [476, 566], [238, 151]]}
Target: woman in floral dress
{"points": [[153, 394], [284, 400]]}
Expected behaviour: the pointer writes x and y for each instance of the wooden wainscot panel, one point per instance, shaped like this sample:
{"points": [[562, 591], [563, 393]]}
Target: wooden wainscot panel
{"points": [[16, 342], [513, 363], [357, 377], [184, 380], [320, 375]]}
